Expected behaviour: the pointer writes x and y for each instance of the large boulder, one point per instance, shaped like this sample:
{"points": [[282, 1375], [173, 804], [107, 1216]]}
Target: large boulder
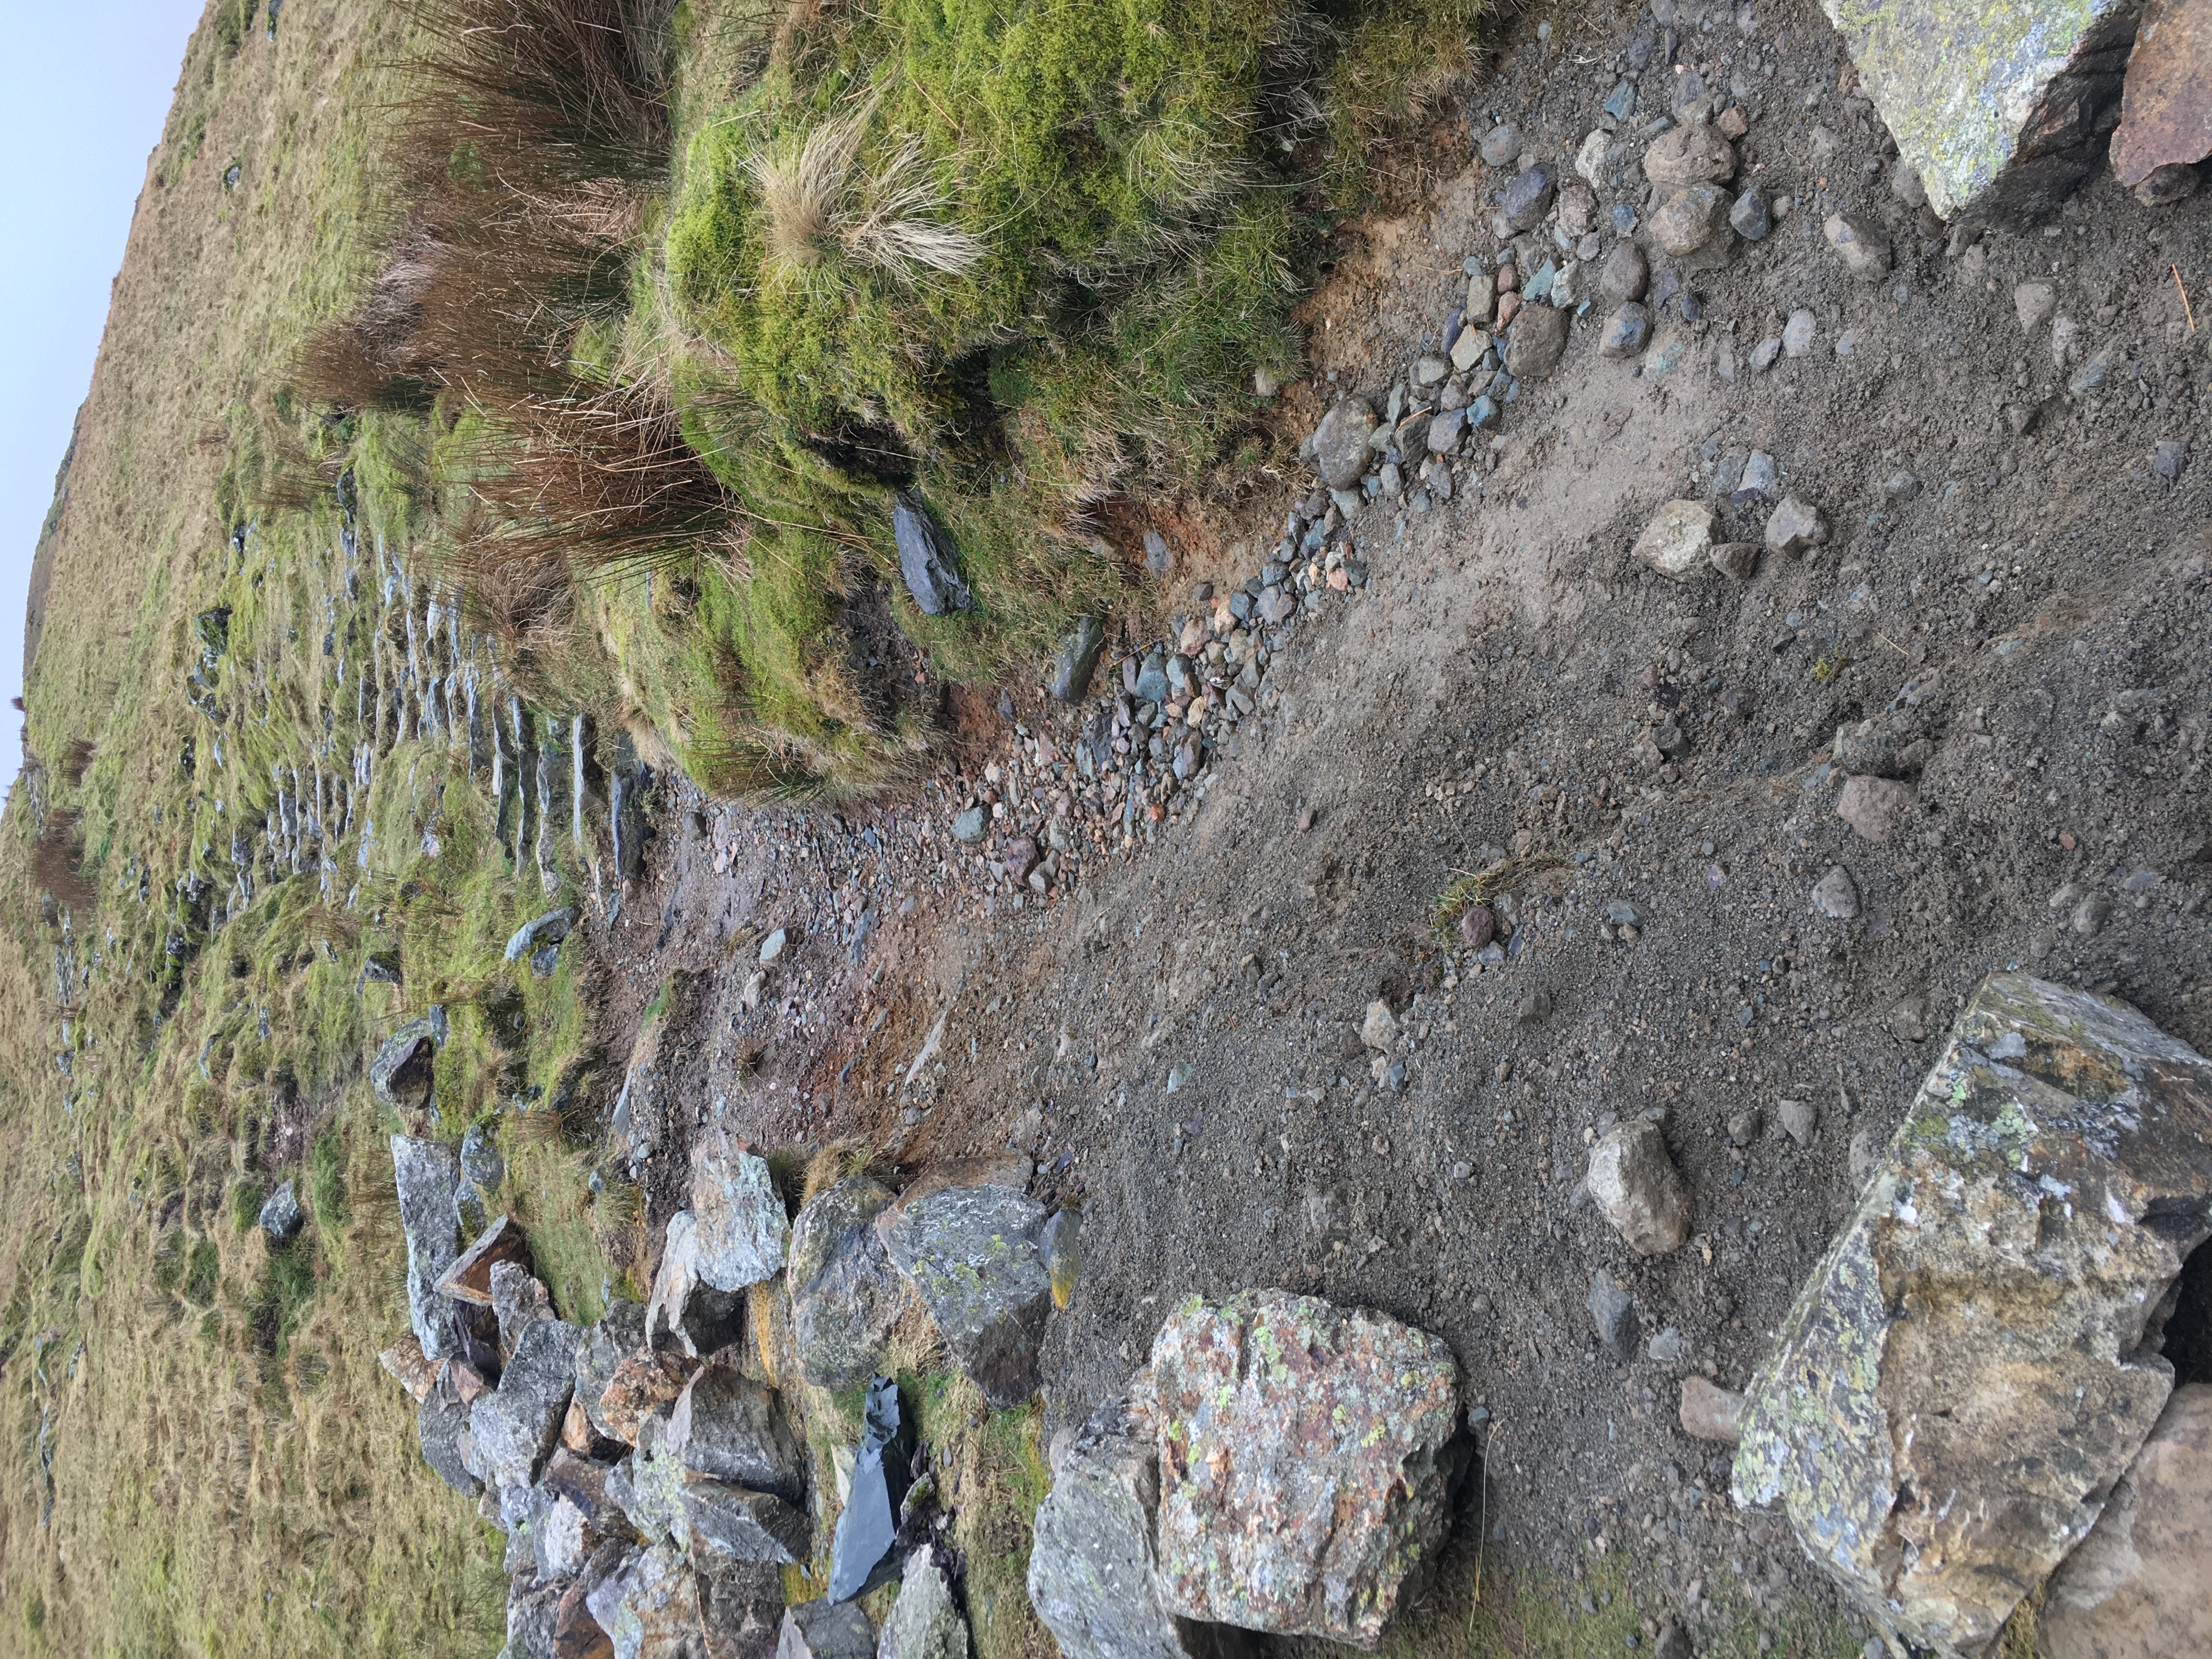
{"points": [[974, 1254], [1974, 1363], [726, 1521], [726, 1425], [1307, 1457], [844, 1294], [1092, 1561], [2136, 1587], [925, 1622], [428, 1178], [742, 1229], [1999, 109], [740, 1608], [516, 1423]]}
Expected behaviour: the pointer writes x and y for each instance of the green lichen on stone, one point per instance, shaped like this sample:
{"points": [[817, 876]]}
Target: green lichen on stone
{"points": [[1956, 80]]}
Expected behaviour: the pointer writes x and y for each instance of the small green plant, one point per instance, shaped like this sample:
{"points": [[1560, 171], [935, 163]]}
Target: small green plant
{"points": [[203, 1269]]}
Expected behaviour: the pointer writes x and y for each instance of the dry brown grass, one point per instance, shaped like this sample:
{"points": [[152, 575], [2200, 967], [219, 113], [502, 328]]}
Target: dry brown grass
{"points": [[820, 201]]}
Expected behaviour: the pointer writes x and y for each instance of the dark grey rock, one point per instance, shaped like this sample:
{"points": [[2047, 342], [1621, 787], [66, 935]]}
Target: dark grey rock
{"points": [[742, 1525], [1749, 218], [549, 929], [1624, 274], [518, 1302], [481, 1165], [727, 1426], [1525, 200], [1625, 331], [927, 558], [862, 1554], [1077, 660], [824, 1629], [973, 1254], [1612, 1311], [516, 1423], [1341, 448], [428, 1178], [844, 1292], [1501, 145], [741, 1608], [533, 1609], [280, 1216], [2168, 459], [439, 1424], [1444, 437], [401, 1072]]}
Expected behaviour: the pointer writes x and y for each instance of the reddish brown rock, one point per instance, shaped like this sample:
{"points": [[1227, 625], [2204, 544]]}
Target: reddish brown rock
{"points": [[469, 1279], [404, 1360], [640, 1386]]}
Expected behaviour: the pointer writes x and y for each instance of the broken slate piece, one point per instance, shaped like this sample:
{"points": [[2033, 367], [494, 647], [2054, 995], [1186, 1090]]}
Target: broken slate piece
{"points": [[1307, 1457], [862, 1554], [1612, 1310], [927, 558], [974, 1255], [428, 1179], [280, 1216], [1922, 1419], [742, 1525], [1077, 660], [469, 1278]]}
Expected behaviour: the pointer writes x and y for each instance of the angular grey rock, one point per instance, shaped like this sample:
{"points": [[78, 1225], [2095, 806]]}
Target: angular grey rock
{"points": [[1737, 559], [967, 826], [742, 1525], [725, 1425], [1092, 1561], [742, 1229], [2134, 1589], [280, 1216], [1923, 1419], [649, 1608], [844, 1292], [927, 558], [1612, 1311], [1799, 333], [482, 1166], [1749, 218], [1077, 660], [1800, 1121], [518, 1302], [741, 1607], [1836, 896], [1535, 342], [825, 1630], [533, 1609], [549, 929], [925, 1622], [2033, 303], [973, 1254], [1860, 245], [1795, 528], [647, 1485], [1341, 448], [515, 1424], [401, 1072], [602, 1347], [439, 1424], [1999, 110], [2162, 187], [1308, 1454], [1500, 148], [428, 1179], [1639, 1190], [1524, 201], [1625, 331]]}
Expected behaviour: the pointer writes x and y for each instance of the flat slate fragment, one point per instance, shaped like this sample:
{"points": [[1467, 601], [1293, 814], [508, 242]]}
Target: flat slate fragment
{"points": [[1974, 1363]]}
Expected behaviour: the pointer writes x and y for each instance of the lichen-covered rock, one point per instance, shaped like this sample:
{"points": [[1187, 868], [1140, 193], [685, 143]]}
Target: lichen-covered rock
{"points": [[619, 1334], [844, 1294], [439, 1425], [727, 1426], [1973, 1364], [647, 1485], [1092, 1557], [533, 1609], [517, 1422], [401, 1072], [925, 1622], [1998, 108], [741, 1229], [428, 1178], [2136, 1587], [649, 1607], [1307, 1454], [974, 1255]]}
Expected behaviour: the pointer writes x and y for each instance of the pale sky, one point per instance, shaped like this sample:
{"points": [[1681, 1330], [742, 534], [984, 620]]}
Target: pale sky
{"points": [[84, 89]]}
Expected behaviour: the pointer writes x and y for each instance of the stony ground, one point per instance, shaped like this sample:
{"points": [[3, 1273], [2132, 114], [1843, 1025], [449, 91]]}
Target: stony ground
{"points": [[2015, 584]]}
